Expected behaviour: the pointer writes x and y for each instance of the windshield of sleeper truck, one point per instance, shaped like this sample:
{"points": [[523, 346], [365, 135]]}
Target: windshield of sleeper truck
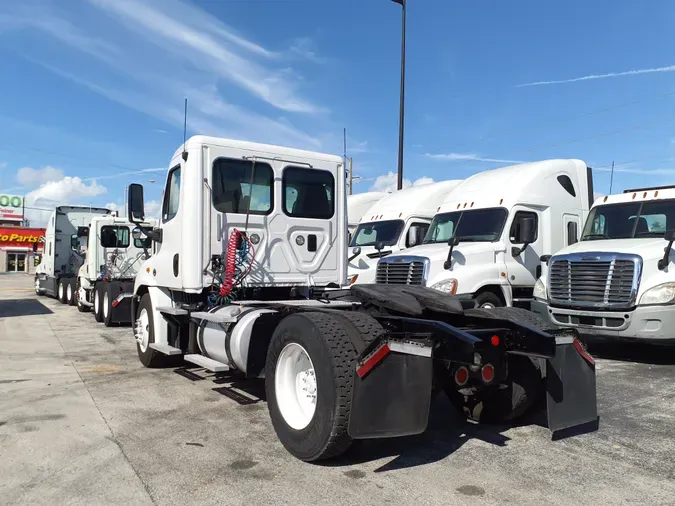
{"points": [[478, 225], [629, 220], [368, 234]]}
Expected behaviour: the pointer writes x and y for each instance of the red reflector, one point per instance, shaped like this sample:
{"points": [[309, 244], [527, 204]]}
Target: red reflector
{"points": [[461, 376], [115, 303], [494, 340], [487, 373], [374, 359], [583, 353]]}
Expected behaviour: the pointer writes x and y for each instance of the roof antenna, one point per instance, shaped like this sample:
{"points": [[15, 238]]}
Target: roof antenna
{"points": [[611, 178], [185, 153]]}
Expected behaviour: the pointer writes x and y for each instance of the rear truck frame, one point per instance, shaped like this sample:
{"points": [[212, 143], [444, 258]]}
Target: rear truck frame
{"points": [[365, 362]]}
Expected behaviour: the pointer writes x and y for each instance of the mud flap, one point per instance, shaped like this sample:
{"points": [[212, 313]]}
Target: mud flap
{"points": [[570, 386], [392, 390]]}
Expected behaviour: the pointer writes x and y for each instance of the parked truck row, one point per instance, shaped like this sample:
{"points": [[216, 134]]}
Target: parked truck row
{"points": [[248, 274]]}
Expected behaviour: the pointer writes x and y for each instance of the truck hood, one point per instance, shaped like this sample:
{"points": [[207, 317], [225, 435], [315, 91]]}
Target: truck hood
{"points": [[650, 248], [462, 254]]}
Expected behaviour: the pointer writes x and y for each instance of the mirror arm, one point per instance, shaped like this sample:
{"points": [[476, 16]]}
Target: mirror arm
{"points": [[448, 263], [516, 252], [663, 262]]}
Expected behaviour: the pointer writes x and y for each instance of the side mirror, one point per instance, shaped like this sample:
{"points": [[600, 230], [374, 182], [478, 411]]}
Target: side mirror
{"points": [[74, 242], [413, 233], [668, 235], [453, 241], [137, 234], [355, 252], [379, 245], [527, 231], [545, 258], [135, 205]]}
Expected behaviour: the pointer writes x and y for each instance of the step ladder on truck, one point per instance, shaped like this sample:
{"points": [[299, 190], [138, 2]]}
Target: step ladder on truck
{"points": [[252, 252]]}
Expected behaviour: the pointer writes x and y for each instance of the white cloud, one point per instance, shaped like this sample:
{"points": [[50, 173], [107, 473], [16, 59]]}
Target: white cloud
{"points": [[66, 191], [152, 209], [467, 157], [306, 48], [31, 178], [670, 68], [178, 28], [160, 130], [3, 165], [388, 182], [356, 147]]}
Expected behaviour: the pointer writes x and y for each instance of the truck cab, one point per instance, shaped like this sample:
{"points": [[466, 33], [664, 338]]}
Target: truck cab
{"points": [[358, 205], [485, 241], [397, 222], [617, 282]]}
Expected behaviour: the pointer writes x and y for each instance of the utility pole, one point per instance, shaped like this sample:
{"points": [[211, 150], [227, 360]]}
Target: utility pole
{"points": [[402, 3]]}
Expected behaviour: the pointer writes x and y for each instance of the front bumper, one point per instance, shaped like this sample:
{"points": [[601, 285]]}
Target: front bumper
{"points": [[645, 323]]}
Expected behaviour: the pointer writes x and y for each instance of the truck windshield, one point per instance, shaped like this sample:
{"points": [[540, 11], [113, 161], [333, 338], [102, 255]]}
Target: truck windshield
{"points": [[630, 220], [368, 234], [479, 225]]}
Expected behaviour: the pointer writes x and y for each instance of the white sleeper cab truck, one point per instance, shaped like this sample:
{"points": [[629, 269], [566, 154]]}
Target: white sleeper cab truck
{"points": [[106, 280], [397, 222], [65, 249], [358, 205], [485, 242], [252, 249], [616, 282]]}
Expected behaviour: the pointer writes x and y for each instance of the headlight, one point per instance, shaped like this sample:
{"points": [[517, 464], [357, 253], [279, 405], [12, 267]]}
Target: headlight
{"points": [[539, 291], [447, 286], [660, 294]]}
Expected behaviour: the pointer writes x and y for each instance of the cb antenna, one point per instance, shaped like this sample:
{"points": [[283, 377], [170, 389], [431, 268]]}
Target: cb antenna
{"points": [[185, 153]]}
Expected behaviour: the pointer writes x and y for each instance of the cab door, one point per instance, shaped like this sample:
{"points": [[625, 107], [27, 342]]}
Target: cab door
{"points": [[521, 269], [304, 231]]}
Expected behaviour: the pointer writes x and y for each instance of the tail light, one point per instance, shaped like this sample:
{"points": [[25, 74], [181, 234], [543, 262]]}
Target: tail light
{"points": [[487, 373], [461, 376]]}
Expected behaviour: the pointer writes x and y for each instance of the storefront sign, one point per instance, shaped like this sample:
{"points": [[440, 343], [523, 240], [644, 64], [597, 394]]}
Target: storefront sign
{"points": [[11, 207], [19, 237]]}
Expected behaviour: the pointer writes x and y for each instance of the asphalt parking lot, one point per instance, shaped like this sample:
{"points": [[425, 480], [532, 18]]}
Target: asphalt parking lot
{"points": [[82, 422]]}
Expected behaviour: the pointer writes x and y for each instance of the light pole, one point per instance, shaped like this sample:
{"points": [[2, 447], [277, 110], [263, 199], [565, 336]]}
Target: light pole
{"points": [[402, 99]]}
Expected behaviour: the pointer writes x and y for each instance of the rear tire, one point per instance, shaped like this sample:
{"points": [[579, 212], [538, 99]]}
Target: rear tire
{"points": [[144, 333], [319, 432], [61, 290], [111, 291], [71, 296], [98, 301]]}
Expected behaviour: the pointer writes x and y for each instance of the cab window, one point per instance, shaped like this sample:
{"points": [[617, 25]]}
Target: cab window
{"points": [[308, 193], [113, 236], [171, 195], [242, 186]]}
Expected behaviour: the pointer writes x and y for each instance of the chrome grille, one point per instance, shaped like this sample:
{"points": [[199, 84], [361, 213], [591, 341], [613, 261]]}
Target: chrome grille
{"points": [[594, 280], [400, 271]]}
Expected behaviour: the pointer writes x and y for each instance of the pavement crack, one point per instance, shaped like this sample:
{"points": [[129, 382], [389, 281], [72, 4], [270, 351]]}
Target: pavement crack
{"points": [[113, 438]]}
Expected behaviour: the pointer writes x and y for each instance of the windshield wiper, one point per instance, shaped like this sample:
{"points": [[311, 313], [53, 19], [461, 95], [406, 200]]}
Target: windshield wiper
{"points": [[649, 234], [595, 236]]}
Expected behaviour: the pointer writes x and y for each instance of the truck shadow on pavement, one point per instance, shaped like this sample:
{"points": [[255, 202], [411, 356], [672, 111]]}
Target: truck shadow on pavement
{"points": [[22, 307]]}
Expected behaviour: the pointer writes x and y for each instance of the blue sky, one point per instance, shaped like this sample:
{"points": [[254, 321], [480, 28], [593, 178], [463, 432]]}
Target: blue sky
{"points": [[93, 90]]}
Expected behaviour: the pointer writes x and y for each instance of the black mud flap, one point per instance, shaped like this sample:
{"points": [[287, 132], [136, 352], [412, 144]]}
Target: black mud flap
{"points": [[392, 390], [121, 313], [570, 387]]}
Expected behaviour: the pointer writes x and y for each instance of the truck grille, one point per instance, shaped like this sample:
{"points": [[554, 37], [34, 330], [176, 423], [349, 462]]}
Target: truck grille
{"points": [[401, 271], [594, 280]]}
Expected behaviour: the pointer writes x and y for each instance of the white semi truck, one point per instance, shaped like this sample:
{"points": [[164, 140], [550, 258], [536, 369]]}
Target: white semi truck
{"points": [[358, 205], [251, 251], [616, 283], [65, 248], [105, 281], [394, 223], [486, 240]]}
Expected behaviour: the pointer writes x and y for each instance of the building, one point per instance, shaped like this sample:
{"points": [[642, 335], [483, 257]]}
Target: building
{"points": [[20, 246]]}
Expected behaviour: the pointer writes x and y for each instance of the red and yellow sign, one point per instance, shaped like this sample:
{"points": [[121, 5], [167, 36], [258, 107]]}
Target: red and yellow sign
{"points": [[20, 237]]}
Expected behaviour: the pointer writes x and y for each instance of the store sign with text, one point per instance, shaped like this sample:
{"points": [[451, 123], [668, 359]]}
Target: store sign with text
{"points": [[11, 207], [19, 237]]}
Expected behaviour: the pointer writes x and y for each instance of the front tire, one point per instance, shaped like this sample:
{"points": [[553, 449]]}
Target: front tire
{"points": [[488, 300], [38, 291], [144, 332], [309, 375]]}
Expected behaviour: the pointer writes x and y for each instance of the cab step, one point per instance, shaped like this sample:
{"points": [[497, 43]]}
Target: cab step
{"points": [[213, 317], [166, 349], [175, 311], [207, 363]]}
